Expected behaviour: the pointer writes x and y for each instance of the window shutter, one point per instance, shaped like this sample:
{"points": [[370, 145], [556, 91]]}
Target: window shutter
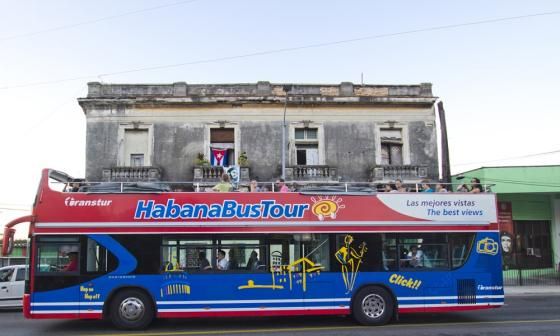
{"points": [[222, 135]]}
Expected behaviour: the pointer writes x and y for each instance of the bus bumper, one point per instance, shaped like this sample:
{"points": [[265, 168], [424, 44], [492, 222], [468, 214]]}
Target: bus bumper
{"points": [[27, 306]]}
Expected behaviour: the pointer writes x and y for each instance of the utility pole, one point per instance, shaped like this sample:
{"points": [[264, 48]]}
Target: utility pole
{"points": [[445, 166], [287, 89]]}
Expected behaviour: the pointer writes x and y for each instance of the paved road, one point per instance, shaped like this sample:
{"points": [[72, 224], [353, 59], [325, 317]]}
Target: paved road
{"points": [[522, 315]]}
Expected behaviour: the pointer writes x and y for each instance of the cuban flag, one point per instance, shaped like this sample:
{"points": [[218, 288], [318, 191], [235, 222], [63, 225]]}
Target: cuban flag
{"points": [[219, 157]]}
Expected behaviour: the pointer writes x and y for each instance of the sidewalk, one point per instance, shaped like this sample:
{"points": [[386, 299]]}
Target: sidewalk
{"points": [[531, 290]]}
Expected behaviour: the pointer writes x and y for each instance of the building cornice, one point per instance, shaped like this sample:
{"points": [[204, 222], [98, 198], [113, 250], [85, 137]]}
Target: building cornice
{"points": [[259, 93]]}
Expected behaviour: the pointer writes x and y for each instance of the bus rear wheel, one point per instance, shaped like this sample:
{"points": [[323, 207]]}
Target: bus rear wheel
{"points": [[373, 306], [131, 310]]}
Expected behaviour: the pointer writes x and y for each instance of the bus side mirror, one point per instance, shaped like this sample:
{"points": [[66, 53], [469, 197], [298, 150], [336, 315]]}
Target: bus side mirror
{"points": [[8, 241]]}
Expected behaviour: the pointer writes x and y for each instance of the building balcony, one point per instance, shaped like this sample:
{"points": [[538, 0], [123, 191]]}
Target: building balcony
{"points": [[311, 173], [391, 173], [213, 174], [131, 174]]}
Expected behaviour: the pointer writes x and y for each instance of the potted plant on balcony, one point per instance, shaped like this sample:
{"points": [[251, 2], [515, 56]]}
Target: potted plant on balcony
{"points": [[201, 160], [243, 160]]}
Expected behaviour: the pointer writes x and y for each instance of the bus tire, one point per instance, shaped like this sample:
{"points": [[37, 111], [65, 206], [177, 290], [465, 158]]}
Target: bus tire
{"points": [[131, 309], [373, 305]]}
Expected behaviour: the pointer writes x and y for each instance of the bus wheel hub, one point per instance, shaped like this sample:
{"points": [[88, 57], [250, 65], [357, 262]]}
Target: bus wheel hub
{"points": [[131, 309], [373, 305]]}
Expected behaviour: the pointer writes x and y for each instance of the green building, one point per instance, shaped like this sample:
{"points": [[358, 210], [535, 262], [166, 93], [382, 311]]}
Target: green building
{"points": [[528, 212]]}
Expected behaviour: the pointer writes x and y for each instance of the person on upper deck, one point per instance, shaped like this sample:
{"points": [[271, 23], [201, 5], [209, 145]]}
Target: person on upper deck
{"points": [[440, 187], [476, 187], [281, 185], [224, 185], [426, 186], [390, 187], [400, 186]]}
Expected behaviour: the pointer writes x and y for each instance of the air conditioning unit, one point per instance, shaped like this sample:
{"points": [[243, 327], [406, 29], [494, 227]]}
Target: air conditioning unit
{"points": [[530, 251]]}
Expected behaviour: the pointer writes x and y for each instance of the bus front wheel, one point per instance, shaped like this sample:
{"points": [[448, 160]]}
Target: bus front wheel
{"points": [[373, 306], [131, 310]]}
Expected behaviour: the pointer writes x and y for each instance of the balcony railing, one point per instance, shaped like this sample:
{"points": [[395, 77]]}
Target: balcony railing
{"points": [[311, 173], [214, 173], [131, 174], [384, 173]]}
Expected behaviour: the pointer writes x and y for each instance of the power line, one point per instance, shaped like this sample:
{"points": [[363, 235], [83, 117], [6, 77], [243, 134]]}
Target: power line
{"points": [[92, 21], [288, 49], [57, 109], [15, 209], [509, 158]]}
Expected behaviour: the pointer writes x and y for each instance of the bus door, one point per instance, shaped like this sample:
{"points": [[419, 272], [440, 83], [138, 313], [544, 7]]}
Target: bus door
{"points": [[284, 271], [316, 279], [95, 263]]}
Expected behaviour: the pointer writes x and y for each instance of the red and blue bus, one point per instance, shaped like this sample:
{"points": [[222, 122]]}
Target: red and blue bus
{"points": [[134, 254]]}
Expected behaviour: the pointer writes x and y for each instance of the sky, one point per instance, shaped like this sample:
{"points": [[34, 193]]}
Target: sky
{"points": [[498, 80]]}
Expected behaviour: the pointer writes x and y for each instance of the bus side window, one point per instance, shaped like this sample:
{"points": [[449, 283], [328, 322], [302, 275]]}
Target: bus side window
{"points": [[98, 259], [58, 254]]}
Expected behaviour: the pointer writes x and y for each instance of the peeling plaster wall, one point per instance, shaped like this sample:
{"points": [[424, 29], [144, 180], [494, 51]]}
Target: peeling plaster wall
{"points": [[423, 147], [263, 144], [180, 114], [350, 147], [175, 148], [101, 148]]}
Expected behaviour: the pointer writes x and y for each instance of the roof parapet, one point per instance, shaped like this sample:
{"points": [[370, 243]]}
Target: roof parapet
{"points": [[259, 89]]}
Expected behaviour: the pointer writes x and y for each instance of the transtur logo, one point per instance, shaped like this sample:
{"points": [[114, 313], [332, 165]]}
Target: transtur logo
{"points": [[70, 201]]}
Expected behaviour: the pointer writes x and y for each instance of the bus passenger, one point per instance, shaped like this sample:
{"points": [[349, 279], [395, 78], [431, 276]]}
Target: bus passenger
{"points": [[390, 187], [281, 185], [224, 185], [253, 263], [72, 265], [232, 263], [476, 187], [400, 186], [254, 186], [222, 262], [416, 257], [463, 188], [203, 262], [440, 187], [426, 186]]}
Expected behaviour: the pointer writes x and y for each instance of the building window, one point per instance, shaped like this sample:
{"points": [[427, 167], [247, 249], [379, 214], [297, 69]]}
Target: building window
{"points": [[136, 160], [391, 146], [222, 147], [135, 145], [307, 146], [533, 248]]}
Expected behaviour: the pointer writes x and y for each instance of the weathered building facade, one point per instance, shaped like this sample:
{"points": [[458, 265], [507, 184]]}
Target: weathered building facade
{"points": [[342, 132]]}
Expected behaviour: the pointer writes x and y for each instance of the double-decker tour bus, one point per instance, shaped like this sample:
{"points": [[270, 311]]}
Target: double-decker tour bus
{"points": [[139, 253]]}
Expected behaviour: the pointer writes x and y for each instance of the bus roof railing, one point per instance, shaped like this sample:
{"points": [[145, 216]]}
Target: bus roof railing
{"points": [[307, 187]]}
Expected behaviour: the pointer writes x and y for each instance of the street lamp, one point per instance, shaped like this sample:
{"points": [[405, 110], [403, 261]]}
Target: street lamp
{"points": [[287, 89]]}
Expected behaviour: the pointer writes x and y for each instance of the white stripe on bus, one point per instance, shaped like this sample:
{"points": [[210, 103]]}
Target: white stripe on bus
{"points": [[194, 310], [408, 298], [450, 305], [39, 304], [256, 223], [38, 312], [254, 301]]}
